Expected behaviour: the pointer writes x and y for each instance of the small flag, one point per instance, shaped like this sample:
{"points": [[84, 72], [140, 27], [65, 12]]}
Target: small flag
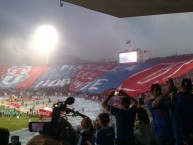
{"points": [[128, 42], [145, 51]]}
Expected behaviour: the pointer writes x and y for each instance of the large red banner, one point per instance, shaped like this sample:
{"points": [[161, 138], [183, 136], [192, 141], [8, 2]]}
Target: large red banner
{"points": [[141, 82]]}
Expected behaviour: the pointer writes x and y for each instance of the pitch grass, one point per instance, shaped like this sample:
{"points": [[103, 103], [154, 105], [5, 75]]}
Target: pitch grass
{"points": [[12, 123]]}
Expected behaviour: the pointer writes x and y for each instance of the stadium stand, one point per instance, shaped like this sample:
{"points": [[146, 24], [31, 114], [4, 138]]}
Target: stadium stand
{"points": [[93, 78]]}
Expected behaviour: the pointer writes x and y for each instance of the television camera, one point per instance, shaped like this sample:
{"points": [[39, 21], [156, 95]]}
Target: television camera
{"points": [[56, 128]]}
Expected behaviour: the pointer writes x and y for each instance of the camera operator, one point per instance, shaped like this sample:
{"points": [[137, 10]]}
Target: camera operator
{"points": [[57, 132], [84, 133]]}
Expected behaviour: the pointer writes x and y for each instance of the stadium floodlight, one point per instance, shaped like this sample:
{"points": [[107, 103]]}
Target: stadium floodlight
{"points": [[46, 38]]}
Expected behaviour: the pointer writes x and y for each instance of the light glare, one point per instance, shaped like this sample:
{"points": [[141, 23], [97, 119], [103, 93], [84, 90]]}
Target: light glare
{"points": [[46, 38]]}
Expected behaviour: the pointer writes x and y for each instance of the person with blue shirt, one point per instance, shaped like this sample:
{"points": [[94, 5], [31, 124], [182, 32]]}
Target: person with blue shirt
{"points": [[125, 117], [159, 106], [184, 108], [106, 135]]}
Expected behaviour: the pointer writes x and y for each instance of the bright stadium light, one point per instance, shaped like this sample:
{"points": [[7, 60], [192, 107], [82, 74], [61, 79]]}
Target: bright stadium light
{"points": [[46, 38]]}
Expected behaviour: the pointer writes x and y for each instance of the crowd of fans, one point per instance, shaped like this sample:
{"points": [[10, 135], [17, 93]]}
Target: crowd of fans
{"points": [[164, 118]]}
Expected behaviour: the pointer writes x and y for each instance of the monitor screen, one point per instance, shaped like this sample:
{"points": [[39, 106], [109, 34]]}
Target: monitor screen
{"points": [[128, 57]]}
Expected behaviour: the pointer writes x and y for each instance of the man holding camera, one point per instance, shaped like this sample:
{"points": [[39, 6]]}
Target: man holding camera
{"points": [[58, 130], [125, 117], [160, 106]]}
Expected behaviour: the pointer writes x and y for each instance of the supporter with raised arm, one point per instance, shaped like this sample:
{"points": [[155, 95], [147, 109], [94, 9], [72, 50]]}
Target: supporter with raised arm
{"points": [[184, 108], [159, 106], [125, 117]]}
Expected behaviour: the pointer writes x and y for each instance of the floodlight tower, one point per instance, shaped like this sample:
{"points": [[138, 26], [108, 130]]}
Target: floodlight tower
{"points": [[46, 39]]}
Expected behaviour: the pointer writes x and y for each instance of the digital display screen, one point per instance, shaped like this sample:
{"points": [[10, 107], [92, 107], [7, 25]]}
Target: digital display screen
{"points": [[128, 57], [37, 126]]}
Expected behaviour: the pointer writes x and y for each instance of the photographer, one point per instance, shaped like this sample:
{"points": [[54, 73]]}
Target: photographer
{"points": [[125, 116], [160, 108], [57, 132]]}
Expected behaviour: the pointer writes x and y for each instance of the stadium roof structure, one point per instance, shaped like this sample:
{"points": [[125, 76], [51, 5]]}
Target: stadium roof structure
{"points": [[132, 8]]}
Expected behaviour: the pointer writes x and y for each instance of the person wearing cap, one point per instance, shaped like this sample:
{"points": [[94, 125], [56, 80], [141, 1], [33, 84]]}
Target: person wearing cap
{"points": [[184, 108]]}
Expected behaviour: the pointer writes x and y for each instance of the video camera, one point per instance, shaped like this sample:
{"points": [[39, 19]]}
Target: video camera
{"points": [[56, 128]]}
